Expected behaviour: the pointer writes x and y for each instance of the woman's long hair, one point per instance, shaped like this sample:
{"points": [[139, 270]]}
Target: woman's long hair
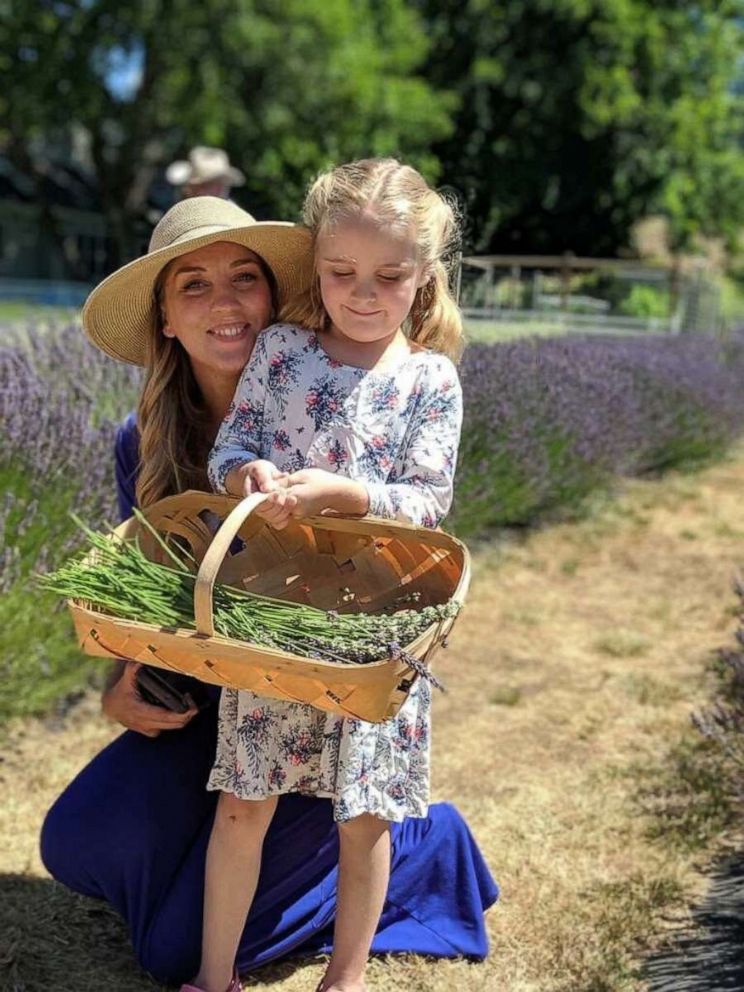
{"points": [[175, 427], [173, 423]]}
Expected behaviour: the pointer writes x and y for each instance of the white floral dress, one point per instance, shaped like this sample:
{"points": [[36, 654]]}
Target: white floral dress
{"points": [[398, 434]]}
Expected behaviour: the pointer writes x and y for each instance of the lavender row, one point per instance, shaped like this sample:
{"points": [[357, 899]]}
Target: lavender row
{"points": [[722, 722], [547, 420], [60, 402]]}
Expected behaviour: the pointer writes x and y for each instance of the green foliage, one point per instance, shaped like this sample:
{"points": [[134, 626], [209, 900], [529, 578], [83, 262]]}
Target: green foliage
{"points": [[39, 660], [732, 299], [578, 117], [497, 488], [645, 301], [286, 91], [562, 122]]}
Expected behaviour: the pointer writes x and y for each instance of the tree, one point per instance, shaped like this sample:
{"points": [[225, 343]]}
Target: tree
{"points": [[286, 87], [578, 117]]}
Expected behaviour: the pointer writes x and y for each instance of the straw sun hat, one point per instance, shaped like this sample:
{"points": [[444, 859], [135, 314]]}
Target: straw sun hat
{"points": [[203, 165], [118, 314]]}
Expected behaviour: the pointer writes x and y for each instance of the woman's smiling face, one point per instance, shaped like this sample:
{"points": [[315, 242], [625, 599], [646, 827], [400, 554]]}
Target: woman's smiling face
{"points": [[215, 300]]}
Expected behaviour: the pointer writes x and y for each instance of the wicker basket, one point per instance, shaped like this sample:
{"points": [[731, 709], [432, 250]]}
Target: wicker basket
{"points": [[340, 563]]}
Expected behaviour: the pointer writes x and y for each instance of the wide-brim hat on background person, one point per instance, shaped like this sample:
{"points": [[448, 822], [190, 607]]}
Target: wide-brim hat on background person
{"points": [[204, 165], [118, 314]]}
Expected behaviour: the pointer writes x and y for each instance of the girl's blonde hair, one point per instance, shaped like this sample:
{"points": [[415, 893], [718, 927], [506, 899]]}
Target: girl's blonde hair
{"points": [[175, 426], [400, 196]]}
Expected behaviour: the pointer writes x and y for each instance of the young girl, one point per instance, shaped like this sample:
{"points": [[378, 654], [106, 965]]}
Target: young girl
{"points": [[351, 405]]}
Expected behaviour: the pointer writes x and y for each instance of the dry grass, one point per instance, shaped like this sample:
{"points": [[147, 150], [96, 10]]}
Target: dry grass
{"points": [[564, 739]]}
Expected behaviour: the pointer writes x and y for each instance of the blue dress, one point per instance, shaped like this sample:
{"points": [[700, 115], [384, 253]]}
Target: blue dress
{"points": [[398, 435], [133, 828]]}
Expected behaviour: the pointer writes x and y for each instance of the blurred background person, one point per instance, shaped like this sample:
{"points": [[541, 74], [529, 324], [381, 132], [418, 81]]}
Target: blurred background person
{"points": [[206, 172]]}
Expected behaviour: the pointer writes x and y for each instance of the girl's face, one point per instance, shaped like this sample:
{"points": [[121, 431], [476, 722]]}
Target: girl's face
{"points": [[215, 300], [368, 275]]}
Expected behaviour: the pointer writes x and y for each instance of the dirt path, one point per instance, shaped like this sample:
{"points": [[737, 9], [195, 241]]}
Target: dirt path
{"points": [[572, 677]]}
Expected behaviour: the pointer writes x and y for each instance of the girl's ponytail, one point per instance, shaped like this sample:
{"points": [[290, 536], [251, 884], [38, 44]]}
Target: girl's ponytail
{"points": [[435, 318]]}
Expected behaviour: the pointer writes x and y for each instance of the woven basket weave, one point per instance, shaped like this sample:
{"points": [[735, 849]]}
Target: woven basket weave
{"points": [[333, 563]]}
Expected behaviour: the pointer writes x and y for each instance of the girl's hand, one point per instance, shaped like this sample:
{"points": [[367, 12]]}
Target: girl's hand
{"points": [[260, 476], [277, 509], [306, 494], [122, 703], [311, 492], [315, 490]]}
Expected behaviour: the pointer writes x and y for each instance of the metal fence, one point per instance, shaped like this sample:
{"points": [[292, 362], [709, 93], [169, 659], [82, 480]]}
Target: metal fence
{"points": [[554, 294]]}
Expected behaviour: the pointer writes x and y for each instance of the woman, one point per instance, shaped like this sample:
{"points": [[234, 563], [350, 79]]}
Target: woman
{"points": [[133, 827]]}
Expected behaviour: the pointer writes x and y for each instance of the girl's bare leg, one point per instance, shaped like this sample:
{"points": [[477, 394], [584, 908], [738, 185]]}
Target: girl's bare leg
{"points": [[364, 871], [233, 864]]}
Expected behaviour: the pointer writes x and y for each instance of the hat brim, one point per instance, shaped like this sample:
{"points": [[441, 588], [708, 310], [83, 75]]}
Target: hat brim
{"points": [[178, 172], [182, 172], [118, 316], [236, 177]]}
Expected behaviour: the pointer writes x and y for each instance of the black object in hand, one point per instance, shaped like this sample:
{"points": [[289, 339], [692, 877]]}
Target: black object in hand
{"points": [[171, 690]]}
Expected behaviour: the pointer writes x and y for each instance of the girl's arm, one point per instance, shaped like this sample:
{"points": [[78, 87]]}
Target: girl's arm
{"points": [[420, 492], [238, 440]]}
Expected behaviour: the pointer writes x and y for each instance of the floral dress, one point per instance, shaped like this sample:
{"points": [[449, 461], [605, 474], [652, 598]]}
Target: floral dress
{"points": [[398, 434]]}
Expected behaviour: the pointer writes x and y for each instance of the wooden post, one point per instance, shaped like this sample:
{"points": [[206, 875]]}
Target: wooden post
{"points": [[566, 268], [457, 288], [490, 294], [674, 287], [516, 273]]}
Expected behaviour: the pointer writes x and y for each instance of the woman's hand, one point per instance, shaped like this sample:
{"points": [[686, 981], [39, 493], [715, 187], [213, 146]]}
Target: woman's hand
{"points": [[122, 703], [310, 492]]}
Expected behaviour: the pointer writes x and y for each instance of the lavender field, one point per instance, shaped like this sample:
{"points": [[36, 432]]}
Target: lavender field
{"points": [[60, 400], [547, 421]]}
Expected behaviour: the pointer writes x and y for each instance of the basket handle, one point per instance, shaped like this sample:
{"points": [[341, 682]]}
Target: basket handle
{"points": [[210, 564]]}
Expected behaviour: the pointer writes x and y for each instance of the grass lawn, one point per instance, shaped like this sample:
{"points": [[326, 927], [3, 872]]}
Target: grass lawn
{"points": [[484, 331], [565, 740], [491, 331], [32, 312]]}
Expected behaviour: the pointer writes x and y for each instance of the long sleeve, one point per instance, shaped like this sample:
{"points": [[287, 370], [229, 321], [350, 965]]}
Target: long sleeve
{"points": [[126, 462], [239, 439], [420, 489]]}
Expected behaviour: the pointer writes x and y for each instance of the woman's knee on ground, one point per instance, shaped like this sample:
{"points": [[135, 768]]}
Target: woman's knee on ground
{"points": [[53, 843], [62, 853]]}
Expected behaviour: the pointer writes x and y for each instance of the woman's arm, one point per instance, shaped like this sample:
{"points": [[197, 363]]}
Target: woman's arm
{"points": [[126, 465], [122, 703], [120, 700]]}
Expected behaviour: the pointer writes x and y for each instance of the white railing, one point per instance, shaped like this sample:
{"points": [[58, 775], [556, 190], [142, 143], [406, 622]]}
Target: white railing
{"points": [[565, 320]]}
